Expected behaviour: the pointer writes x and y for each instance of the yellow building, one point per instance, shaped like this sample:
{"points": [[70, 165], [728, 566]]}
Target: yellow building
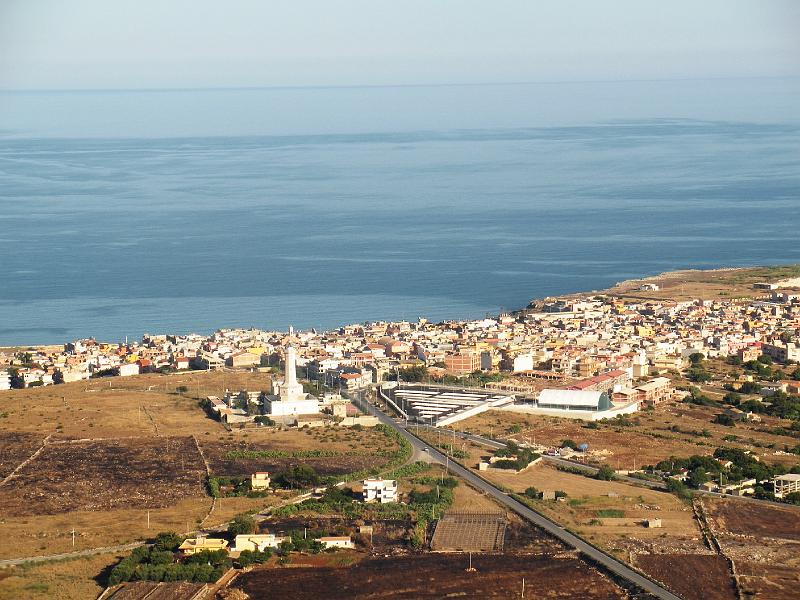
{"points": [[201, 544]]}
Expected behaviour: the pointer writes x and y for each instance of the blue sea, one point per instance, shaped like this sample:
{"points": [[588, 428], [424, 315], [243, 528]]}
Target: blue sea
{"points": [[124, 212]]}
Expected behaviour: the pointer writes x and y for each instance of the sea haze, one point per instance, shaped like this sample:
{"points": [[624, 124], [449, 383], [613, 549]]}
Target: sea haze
{"points": [[126, 212]]}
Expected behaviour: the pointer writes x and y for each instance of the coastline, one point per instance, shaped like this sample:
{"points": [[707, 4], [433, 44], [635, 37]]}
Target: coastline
{"points": [[729, 283]]}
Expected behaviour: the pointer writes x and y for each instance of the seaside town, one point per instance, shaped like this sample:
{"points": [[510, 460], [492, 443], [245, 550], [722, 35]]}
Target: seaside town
{"points": [[332, 442]]}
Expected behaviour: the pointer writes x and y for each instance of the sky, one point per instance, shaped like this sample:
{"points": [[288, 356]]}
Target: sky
{"points": [[132, 44]]}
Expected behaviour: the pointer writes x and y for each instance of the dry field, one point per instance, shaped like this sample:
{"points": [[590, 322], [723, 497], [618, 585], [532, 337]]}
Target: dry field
{"points": [[357, 450], [763, 541], [122, 406], [52, 534], [646, 442], [122, 447], [623, 534], [59, 580], [434, 576], [15, 448], [691, 576], [104, 475], [710, 284]]}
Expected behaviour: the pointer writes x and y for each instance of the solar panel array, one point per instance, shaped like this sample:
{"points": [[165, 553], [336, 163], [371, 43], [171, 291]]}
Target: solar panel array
{"points": [[470, 532]]}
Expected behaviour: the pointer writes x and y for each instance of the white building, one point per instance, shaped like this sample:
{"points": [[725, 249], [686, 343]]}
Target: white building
{"points": [[288, 397], [258, 542], [379, 490], [522, 362], [259, 481], [337, 542], [5, 380], [127, 369], [786, 484]]}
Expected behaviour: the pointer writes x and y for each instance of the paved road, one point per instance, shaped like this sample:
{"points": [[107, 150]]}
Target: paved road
{"points": [[609, 562]]}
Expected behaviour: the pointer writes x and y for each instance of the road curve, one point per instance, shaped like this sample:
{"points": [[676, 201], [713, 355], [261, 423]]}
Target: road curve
{"points": [[609, 562]]}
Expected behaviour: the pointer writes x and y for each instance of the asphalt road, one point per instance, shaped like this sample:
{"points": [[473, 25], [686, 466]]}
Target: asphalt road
{"points": [[597, 555]]}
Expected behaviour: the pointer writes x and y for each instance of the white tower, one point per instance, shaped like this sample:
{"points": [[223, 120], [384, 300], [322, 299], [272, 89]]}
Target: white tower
{"points": [[291, 389]]}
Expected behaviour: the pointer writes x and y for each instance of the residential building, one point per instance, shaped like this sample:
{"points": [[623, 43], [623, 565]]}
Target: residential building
{"points": [[786, 484], [378, 490], [259, 542], [462, 363], [343, 542], [259, 481], [200, 544]]}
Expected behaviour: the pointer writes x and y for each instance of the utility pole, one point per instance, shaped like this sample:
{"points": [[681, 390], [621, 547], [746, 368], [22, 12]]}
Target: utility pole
{"points": [[73, 537], [148, 519], [523, 588]]}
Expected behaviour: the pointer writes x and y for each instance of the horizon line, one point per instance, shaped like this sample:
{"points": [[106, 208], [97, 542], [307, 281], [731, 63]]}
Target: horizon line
{"points": [[377, 85]]}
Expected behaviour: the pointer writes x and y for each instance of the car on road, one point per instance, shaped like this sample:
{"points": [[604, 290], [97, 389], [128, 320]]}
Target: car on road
{"points": [[424, 449]]}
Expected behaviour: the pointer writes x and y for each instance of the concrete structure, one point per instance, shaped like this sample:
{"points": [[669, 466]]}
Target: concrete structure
{"points": [[441, 405], [586, 405], [201, 544], [260, 542], [288, 397], [782, 352], [128, 369], [379, 490], [652, 523], [259, 481], [462, 363], [343, 542], [786, 484], [655, 392], [566, 400]]}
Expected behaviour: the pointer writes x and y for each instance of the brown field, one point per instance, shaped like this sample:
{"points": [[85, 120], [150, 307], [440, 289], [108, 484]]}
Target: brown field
{"points": [[104, 475], [123, 406], [15, 448], [356, 447], [59, 580], [709, 284], [768, 581], [141, 590], [52, 534], [646, 442], [434, 576], [754, 519], [621, 535], [691, 576], [763, 541]]}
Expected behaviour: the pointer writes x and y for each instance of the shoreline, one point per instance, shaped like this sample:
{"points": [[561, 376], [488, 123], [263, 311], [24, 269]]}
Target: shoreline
{"points": [[722, 283]]}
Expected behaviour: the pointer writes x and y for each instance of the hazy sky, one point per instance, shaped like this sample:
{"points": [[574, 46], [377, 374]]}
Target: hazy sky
{"points": [[215, 43]]}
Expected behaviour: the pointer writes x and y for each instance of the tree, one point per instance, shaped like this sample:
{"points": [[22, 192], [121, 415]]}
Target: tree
{"points": [[569, 444], [167, 541], [698, 375], [765, 359], [299, 476], [532, 492], [696, 358], [698, 477], [242, 524], [732, 398], [604, 473], [793, 498], [723, 419], [750, 387], [181, 389], [679, 489]]}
